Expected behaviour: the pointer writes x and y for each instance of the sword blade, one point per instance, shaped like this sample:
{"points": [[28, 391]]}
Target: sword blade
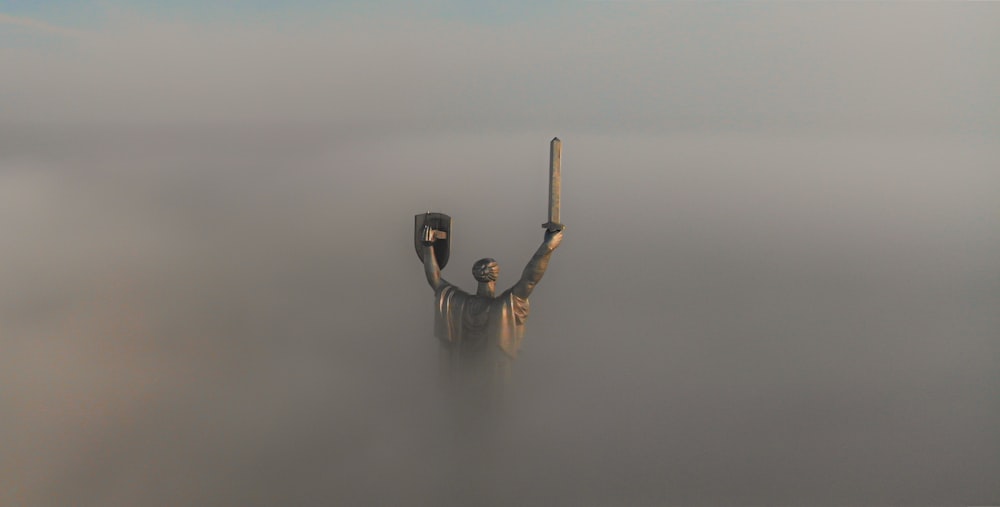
{"points": [[555, 184]]}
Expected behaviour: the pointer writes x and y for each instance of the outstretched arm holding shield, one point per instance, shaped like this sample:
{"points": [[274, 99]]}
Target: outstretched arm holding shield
{"points": [[432, 240], [431, 268]]}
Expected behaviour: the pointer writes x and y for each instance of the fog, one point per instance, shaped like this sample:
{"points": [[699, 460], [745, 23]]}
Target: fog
{"points": [[779, 282]]}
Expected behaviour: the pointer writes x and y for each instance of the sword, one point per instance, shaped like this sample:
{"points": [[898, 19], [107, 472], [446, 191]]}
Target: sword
{"points": [[555, 185]]}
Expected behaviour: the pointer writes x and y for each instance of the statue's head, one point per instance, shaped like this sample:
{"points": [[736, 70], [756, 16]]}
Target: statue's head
{"points": [[486, 270]]}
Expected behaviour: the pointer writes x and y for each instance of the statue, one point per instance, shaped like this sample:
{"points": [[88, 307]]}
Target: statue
{"points": [[482, 332]]}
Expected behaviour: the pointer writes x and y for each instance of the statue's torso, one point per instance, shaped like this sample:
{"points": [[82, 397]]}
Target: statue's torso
{"points": [[480, 325]]}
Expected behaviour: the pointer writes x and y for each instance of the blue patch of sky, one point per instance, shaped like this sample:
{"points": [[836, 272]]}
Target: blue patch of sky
{"points": [[499, 11], [66, 13], [83, 14]]}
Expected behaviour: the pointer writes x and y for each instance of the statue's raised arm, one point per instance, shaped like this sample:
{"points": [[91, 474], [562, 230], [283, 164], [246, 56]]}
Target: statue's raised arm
{"points": [[431, 268], [553, 228], [537, 265], [432, 240]]}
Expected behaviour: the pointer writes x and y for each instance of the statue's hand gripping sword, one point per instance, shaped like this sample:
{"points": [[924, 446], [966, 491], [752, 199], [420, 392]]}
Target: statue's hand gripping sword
{"points": [[555, 185]]}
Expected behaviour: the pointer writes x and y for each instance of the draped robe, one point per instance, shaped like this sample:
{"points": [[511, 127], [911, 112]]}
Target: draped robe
{"points": [[475, 326]]}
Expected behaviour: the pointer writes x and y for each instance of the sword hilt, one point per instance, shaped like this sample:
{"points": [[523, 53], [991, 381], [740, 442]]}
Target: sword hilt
{"points": [[553, 227]]}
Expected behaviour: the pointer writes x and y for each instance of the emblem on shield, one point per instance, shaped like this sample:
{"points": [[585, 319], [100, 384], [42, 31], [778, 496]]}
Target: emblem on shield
{"points": [[439, 226]]}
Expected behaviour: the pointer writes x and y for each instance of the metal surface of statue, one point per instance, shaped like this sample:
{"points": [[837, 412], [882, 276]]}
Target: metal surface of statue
{"points": [[482, 332]]}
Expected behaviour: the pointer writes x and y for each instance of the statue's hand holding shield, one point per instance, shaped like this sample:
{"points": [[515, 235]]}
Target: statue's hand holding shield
{"points": [[431, 235], [433, 229]]}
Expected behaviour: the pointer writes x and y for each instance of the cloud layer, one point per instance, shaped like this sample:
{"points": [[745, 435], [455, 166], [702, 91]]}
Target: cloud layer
{"points": [[596, 65], [778, 284]]}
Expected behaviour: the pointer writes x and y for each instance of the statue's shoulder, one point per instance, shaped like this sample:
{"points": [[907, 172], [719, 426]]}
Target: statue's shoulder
{"points": [[449, 290], [509, 294]]}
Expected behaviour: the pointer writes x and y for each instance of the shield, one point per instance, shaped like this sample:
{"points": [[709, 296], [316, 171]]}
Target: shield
{"points": [[442, 246]]}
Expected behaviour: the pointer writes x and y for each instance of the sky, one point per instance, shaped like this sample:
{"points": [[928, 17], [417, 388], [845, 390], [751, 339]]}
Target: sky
{"points": [[778, 285]]}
